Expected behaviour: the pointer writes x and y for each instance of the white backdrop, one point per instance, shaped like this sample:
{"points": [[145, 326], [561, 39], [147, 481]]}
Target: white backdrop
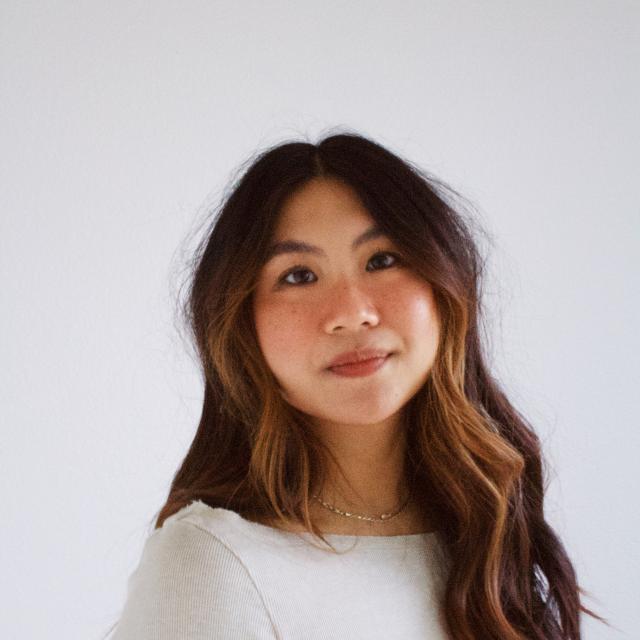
{"points": [[122, 122]]}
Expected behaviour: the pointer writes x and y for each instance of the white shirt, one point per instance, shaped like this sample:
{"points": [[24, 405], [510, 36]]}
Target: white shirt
{"points": [[211, 574]]}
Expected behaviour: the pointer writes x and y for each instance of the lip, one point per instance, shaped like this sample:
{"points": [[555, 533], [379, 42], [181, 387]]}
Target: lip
{"points": [[360, 368], [357, 356]]}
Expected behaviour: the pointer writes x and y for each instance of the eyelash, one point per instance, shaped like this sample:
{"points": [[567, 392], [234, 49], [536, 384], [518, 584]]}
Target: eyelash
{"points": [[300, 267]]}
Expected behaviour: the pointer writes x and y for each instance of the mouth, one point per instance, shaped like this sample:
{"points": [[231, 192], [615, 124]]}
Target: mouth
{"points": [[358, 355], [360, 368]]}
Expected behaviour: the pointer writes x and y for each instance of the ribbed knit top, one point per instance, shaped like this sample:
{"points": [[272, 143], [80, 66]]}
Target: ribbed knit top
{"points": [[209, 574]]}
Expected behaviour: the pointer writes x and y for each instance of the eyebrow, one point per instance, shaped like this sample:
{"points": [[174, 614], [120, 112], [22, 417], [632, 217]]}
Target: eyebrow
{"points": [[293, 246]]}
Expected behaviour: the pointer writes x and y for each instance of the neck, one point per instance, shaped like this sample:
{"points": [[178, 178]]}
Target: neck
{"points": [[368, 475]]}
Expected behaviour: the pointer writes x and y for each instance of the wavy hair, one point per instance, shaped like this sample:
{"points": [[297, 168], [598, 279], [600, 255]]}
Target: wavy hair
{"points": [[471, 451]]}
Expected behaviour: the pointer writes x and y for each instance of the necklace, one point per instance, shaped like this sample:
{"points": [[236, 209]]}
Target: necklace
{"points": [[382, 518]]}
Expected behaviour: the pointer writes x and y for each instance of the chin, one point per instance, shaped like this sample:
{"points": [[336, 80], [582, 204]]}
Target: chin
{"points": [[361, 417], [369, 408]]}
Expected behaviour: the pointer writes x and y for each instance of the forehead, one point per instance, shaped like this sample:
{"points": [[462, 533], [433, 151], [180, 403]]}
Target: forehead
{"points": [[321, 206]]}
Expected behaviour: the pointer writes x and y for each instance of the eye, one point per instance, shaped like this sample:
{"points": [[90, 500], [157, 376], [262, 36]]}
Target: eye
{"points": [[299, 268], [391, 260], [394, 258]]}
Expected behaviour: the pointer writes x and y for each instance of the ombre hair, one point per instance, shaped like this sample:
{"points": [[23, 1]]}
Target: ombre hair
{"points": [[472, 453]]}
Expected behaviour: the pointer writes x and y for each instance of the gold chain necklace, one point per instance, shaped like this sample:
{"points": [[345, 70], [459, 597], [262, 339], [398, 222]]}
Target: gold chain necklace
{"points": [[383, 518]]}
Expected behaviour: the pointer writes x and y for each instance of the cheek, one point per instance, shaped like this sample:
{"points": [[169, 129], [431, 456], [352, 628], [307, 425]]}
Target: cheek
{"points": [[281, 331], [419, 319]]}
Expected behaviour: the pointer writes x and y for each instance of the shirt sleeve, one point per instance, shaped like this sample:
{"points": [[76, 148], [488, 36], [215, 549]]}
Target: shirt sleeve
{"points": [[190, 586]]}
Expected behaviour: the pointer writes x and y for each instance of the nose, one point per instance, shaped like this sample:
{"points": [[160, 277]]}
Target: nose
{"points": [[348, 308]]}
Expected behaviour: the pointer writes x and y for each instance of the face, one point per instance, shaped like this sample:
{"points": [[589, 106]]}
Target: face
{"points": [[343, 288]]}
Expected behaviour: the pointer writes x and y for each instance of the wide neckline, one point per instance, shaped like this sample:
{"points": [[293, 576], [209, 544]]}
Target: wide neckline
{"points": [[278, 534]]}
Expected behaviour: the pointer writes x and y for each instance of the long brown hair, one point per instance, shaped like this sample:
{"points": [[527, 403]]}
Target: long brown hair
{"points": [[474, 455]]}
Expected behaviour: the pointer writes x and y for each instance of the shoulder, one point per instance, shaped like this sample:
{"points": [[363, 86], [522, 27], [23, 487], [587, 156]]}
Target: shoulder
{"points": [[190, 583]]}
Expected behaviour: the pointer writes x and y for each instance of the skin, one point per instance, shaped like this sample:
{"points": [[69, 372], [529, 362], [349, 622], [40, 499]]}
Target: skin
{"points": [[337, 302]]}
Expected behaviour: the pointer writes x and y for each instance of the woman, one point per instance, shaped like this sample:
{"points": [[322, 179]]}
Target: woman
{"points": [[357, 472]]}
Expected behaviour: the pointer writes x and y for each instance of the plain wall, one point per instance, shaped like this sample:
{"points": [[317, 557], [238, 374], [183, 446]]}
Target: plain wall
{"points": [[121, 124]]}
